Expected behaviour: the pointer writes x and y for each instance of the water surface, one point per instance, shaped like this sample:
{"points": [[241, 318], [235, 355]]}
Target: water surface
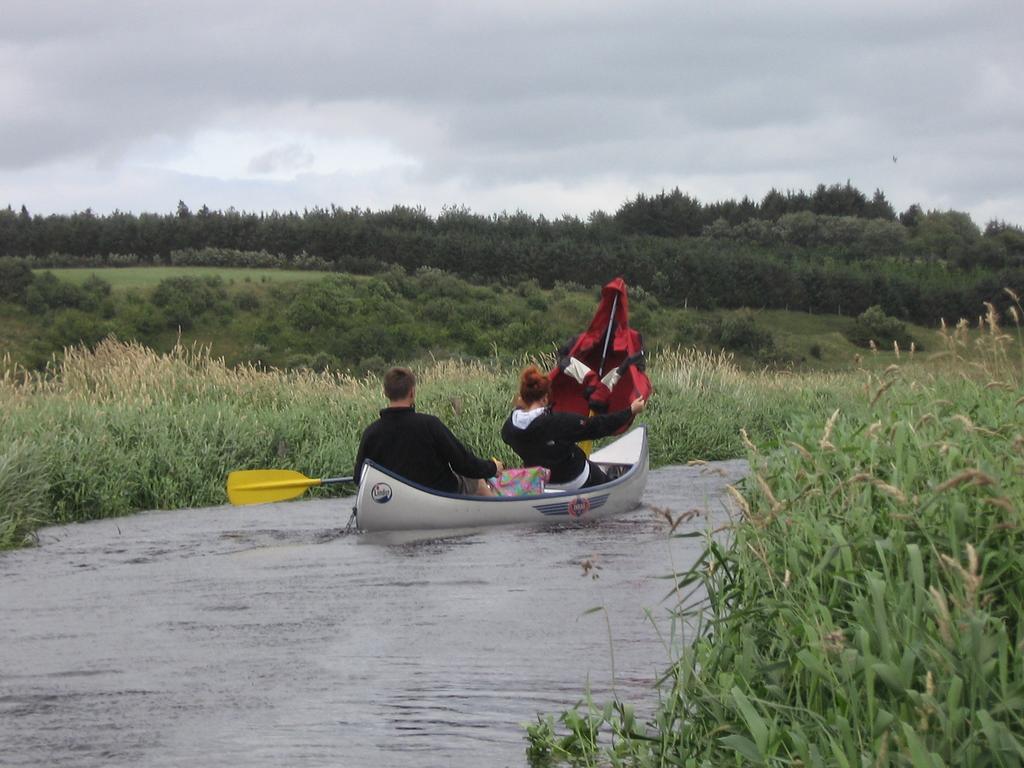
{"points": [[263, 636]]}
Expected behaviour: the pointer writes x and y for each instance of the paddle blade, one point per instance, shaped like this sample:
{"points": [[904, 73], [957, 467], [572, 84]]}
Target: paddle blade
{"points": [[262, 486]]}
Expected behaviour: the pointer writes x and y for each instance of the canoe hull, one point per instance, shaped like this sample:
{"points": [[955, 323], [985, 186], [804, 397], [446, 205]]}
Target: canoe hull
{"points": [[387, 502]]}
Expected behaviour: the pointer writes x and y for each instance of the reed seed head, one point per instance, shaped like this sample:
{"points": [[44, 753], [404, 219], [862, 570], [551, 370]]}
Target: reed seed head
{"points": [[825, 444]]}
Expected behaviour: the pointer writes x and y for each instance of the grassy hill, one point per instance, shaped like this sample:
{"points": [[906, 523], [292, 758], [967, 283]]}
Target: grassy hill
{"points": [[357, 323]]}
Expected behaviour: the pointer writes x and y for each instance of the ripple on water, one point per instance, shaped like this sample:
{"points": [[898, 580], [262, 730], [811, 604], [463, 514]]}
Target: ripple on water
{"points": [[264, 636]]}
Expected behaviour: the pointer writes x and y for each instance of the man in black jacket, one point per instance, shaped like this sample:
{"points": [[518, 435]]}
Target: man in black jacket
{"points": [[418, 446]]}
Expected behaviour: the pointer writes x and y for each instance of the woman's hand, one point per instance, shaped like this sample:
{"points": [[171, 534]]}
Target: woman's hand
{"points": [[637, 405]]}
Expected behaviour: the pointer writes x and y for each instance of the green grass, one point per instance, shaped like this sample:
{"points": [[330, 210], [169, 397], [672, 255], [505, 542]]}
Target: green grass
{"points": [[866, 608], [122, 428], [797, 332], [127, 278]]}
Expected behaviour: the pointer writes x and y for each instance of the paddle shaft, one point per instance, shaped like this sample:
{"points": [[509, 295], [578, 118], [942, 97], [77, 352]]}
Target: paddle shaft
{"points": [[307, 482], [588, 445], [608, 336], [336, 480]]}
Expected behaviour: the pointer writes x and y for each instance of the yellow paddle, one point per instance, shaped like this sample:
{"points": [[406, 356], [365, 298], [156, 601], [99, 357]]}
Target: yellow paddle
{"points": [[587, 445], [262, 486]]}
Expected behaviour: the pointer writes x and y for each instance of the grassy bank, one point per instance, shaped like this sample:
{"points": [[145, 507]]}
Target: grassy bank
{"points": [[130, 278], [122, 428], [866, 609]]}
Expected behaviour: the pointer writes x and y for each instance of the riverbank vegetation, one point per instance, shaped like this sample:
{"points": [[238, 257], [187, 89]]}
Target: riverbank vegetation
{"points": [[120, 428], [115, 427], [864, 608], [355, 323]]}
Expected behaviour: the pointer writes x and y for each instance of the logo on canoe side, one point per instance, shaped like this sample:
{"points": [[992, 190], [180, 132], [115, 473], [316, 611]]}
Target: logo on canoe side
{"points": [[578, 507], [574, 506], [381, 493]]}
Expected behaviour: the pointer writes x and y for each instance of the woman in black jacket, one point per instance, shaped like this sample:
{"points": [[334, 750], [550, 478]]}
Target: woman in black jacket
{"points": [[543, 438]]}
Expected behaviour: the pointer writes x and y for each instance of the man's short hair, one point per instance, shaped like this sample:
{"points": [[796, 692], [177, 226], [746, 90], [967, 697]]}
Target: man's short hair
{"points": [[398, 383]]}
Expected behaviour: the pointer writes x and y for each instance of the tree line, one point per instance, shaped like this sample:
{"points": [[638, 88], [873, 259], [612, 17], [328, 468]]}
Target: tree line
{"points": [[833, 250]]}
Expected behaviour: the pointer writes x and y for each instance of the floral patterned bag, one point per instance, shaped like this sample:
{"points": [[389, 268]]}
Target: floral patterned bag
{"points": [[521, 481]]}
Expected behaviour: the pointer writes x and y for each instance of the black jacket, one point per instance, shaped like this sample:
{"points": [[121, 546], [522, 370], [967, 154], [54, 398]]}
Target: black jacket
{"points": [[550, 440], [420, 448]]}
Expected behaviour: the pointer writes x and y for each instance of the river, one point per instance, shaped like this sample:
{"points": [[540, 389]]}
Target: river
{"points": [[263, 636]]}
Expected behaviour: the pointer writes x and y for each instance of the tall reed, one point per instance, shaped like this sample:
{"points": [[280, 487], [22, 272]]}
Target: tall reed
{"points": [[866, 608], [121, 428]]}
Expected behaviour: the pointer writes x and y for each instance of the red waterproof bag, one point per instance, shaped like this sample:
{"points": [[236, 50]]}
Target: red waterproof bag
{"points": [[606, 343]]}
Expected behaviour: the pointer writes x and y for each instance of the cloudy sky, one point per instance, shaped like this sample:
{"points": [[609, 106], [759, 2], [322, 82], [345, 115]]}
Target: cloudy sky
{"points": [[543, 106]]}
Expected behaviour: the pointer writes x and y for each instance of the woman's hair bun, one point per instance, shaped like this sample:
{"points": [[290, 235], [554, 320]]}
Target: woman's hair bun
{"points": [[533, 385]]}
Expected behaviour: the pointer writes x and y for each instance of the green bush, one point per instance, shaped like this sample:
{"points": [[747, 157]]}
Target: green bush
{"points": [[318, 307], [184, 299], [319, 362], [874, 325], [374, 365], [247, 300], [139, 320], [46, 292], [15, 277], [737, 332], [73, 326], [97, 286], [687, 331]]}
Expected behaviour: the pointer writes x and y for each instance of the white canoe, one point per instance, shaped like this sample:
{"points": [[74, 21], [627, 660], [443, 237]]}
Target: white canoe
{"points": [[387, 502]]}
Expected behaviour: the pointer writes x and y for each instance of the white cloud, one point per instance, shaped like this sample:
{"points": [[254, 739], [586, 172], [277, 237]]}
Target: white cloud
{"points": [[545, 107], [242, 154]]}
